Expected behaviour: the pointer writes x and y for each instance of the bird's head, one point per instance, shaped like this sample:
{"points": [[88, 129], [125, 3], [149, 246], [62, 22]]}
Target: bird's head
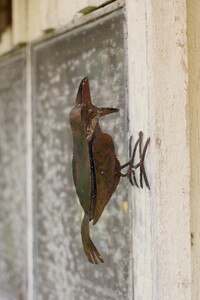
{"points": [[90, 114]]}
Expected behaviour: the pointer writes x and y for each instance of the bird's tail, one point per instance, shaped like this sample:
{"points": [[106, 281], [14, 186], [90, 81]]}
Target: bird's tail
{"points": [[89, 248]]}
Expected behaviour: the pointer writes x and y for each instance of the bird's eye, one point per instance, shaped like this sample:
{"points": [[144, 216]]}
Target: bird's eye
{"points": [[90, 111]]}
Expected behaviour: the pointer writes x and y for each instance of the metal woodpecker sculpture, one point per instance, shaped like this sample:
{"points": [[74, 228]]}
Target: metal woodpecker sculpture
{"points": [[96, 168]]}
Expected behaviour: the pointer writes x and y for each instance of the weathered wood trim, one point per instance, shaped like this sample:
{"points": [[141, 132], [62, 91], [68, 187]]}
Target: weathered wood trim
{"points": [[82, 20], [29, 173], [158, 105], [193, 22], [39, 20]]}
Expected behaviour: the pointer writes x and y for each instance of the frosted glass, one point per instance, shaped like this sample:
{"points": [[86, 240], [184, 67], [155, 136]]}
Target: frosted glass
{"points": [[62, 270], [12, 179]]}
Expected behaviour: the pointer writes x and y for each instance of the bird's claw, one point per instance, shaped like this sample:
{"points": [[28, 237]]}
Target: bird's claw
{"points": [[132, 166], [92, 253]]}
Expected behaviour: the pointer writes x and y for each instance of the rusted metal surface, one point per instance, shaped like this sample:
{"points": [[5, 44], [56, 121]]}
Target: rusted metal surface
{"points": [[96, 168]]}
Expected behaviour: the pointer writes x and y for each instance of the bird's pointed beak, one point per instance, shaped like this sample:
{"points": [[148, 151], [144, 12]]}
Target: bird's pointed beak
{"points": [[83, 95], [107, 110]]}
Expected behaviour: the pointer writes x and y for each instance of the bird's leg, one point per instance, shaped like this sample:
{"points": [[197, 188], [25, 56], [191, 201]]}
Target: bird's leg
{"points": [[132, 167], [131, 171], [142, 163], [132, 174], [140, 155]]}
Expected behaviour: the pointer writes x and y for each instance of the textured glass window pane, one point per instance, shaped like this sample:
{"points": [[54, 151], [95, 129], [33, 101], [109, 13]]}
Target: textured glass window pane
{"points": [[62, 270], [12, 179]]}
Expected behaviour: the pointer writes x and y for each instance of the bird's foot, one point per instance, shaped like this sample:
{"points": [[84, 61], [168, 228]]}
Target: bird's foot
{"points": [[92, 253], [132, 167]]}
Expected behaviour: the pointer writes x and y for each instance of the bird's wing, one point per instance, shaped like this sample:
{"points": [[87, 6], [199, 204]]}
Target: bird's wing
{"points": [[105, 171]]}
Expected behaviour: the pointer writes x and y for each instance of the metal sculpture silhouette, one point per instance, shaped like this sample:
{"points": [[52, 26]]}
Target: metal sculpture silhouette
{"points": [[96, 168]]}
